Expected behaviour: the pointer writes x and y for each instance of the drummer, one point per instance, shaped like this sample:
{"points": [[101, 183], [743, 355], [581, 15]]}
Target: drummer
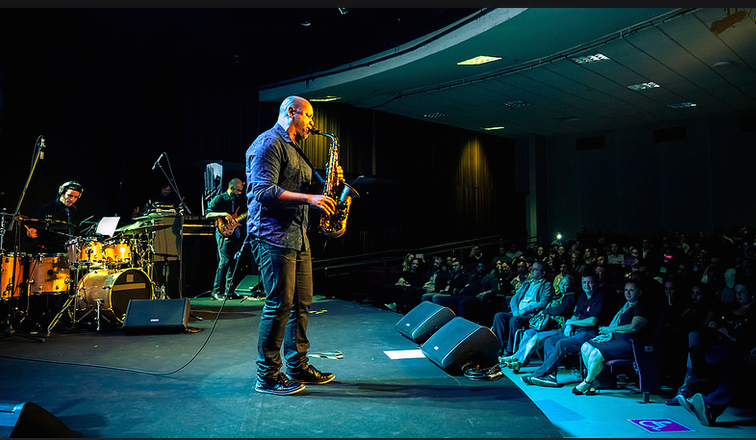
{"points": [[59, 219]]}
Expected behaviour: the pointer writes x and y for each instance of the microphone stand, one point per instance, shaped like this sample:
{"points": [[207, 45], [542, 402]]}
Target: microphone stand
{"points": [[38, 154], [182, 208]]}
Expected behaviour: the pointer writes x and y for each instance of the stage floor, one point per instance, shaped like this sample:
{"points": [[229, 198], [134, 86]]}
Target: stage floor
{"points": [[200, 384]]}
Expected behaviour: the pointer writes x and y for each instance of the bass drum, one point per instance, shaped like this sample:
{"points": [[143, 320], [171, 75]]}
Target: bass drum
{"points": [[114, 289]]}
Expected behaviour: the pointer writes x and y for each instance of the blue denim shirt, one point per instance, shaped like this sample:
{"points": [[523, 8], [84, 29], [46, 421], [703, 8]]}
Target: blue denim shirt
{"points": [[273, 165]]}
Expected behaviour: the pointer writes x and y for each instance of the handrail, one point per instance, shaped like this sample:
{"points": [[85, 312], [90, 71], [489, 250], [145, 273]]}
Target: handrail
{"points": [[393, 254]]}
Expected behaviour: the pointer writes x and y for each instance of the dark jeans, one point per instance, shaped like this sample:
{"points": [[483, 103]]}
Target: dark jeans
{"points": [[505, 325], [556, 348], [286, 275], [224, 274], [466, 306]]}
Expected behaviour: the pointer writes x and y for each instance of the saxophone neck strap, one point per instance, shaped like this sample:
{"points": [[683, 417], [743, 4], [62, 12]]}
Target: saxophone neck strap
{"points": [[314, 171]]}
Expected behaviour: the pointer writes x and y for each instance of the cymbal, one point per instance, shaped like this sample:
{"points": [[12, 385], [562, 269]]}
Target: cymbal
{"points": [[140, 227], [46, 222]]}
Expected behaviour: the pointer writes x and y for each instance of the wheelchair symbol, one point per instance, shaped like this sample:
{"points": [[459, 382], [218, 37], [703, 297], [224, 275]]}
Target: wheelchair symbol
{"points": [[655, 425]]}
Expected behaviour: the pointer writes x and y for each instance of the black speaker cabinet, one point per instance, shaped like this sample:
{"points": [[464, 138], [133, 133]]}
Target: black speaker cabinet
{"points": [[461, 341], [249, 286], [28, 420], [421, 322], [156, 316]]}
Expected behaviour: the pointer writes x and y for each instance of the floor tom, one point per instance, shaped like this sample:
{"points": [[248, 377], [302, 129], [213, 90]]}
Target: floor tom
{"points": [[48, 274], [13, 277]]}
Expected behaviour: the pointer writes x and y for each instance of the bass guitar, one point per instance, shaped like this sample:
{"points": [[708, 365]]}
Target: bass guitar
{"points": [[227, 227]]}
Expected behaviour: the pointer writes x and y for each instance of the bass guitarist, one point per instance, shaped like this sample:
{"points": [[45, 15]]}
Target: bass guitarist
{"points": [[229, 209]]}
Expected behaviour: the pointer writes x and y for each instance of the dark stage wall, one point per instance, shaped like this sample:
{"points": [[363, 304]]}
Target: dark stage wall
{"points": [[111, 94]]}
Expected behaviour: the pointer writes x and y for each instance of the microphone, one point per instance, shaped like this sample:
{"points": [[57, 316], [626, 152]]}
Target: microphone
{"points": [[158, 160], [42, 149]]}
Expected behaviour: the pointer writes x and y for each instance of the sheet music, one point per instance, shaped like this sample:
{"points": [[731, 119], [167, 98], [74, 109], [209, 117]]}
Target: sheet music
{"points": [[107, 226]]}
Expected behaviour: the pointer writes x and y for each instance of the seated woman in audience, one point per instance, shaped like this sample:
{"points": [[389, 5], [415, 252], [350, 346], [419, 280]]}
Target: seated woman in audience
{"points": [[613, 341], [560, 308]]}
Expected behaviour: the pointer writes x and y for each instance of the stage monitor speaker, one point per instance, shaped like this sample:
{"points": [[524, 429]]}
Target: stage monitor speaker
{"points": [[156, 316], [460, 342], [421, 322], [28, 420], [250, 285]]}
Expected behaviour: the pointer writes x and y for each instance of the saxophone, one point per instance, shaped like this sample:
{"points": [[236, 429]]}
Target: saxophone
{"points": [[335, 225]]}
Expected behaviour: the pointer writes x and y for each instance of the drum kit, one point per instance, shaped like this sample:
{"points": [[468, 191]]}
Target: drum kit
{"points": [[99, 275]]}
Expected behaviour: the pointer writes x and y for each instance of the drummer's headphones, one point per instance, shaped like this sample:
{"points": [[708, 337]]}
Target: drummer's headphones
{"points": [[71, 184]]}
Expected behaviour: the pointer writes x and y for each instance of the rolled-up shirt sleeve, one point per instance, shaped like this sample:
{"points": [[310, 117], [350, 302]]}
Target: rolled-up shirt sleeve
{"points": [[264, 169]]}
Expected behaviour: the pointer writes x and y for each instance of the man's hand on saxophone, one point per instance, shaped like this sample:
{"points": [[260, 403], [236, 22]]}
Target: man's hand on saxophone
{"points": [[324, 203]]}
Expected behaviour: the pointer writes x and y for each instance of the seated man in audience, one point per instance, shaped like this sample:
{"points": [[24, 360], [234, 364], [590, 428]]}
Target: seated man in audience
{"points": [[463, 301], [522, 274], [437, 278], [410, 289], [496, 291], [615, 255], [582, 326], [531, 297]]}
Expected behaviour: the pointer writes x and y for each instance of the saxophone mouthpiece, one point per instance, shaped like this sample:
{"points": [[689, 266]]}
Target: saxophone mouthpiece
{"points": [[314, 130]]}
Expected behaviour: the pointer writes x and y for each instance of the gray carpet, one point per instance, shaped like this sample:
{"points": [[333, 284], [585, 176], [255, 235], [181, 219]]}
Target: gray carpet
{"points": [[200, 384]]}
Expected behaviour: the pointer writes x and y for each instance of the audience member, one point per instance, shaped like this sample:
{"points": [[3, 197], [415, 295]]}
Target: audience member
{"points": [[729, 336], [697, 311], [409, 289], [521, 275], [513, 252], [530, 298], [501, 256], [558, 309], [575, 263], [615, 255], [437, 277], [464, 301], [496, 292], [582, 326], [613, 341]]}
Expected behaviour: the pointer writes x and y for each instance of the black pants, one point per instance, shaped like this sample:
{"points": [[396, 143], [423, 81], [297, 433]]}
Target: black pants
{"points": [[224, 274], [286, 275]]}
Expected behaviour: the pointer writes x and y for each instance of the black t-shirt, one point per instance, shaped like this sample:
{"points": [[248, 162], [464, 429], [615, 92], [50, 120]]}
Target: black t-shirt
{"points": [[63, 224]]}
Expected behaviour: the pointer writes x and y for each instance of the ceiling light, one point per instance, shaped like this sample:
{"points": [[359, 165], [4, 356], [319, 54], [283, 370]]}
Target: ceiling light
{"points": [[435, 115], [516, 103], [481, 59], [682, 105], [328, 98], [496, 127], [644, 86], [343, 10], [590, 58]]}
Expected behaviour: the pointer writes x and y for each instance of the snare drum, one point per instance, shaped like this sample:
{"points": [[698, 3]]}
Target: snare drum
{"points": [[85, 250], [13, 274], [48, 274], [113, 289], [117, 253]]}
